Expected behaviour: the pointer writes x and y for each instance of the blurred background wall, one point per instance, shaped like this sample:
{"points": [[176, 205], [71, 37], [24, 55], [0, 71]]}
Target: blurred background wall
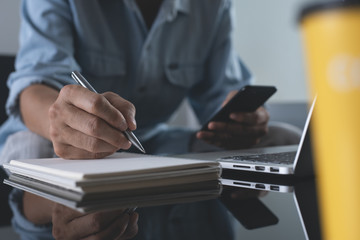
{"points": [[9, 26], [267, 38]]}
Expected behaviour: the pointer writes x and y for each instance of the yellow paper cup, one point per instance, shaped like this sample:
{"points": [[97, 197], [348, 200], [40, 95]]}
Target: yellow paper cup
{"points": [[331, 35]]}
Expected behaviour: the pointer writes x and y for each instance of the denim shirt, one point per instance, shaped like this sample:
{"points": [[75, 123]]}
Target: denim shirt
{"points": [[187, 54]]}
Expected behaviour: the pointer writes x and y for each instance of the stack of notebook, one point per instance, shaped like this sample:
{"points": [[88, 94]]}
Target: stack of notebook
{"points": [[123, 180]]}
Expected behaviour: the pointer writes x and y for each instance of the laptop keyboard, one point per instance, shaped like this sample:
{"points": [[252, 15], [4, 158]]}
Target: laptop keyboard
{"points": [[277, 158]]}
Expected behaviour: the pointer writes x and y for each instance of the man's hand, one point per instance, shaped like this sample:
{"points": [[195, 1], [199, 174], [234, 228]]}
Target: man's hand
{"points": [[84, 124], [245, 129], [69, 224]]}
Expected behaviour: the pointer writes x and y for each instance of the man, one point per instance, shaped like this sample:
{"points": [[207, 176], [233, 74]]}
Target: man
{"points": [[151, 55]]}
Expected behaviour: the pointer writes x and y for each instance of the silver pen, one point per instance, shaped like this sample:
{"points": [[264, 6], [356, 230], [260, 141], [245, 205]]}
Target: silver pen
{"points": [[129, 134]]}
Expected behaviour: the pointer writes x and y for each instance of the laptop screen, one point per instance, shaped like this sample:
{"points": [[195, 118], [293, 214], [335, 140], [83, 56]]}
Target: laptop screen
{"points": [[303, 164]]}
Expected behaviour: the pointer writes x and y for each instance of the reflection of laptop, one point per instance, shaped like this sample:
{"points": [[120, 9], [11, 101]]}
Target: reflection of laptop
{"points": [[279, 160], [306, 202]]}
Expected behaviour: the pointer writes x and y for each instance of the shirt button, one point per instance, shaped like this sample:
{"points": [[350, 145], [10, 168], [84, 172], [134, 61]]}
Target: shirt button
{"points": [[173, 66]]}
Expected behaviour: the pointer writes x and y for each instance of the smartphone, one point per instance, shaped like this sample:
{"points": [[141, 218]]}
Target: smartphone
{"points": [[247, 99], [252, 213]]}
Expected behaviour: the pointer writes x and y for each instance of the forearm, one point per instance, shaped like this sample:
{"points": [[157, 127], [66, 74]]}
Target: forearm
{"points": [[35, 102], [36, 209]]}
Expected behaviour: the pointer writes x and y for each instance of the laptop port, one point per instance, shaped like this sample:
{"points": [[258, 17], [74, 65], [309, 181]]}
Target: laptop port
{"points": [[260, 186], [259, 168], [240, 166], [275, 188], [242, 184], [274, 169]]}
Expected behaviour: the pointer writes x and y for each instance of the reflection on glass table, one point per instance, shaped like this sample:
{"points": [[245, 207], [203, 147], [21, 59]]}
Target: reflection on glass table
{"points": [[263, 214], [268, 213]]}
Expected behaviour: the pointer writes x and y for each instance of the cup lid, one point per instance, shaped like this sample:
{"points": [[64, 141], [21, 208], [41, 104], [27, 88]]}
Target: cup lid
{"points": [[322, 6]]}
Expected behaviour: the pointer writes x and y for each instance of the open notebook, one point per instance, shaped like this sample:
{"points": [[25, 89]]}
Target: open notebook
{"points": [[122, 180]]}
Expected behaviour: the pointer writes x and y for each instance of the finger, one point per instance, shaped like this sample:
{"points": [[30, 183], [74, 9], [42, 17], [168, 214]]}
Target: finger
{"points": [[69, 152], [93, 103], [63, 213], [132, 228], [260, 116], [96, 127], [61, 217], [88, 143], [93, 223], [125, 107], [114, 230], [206, 136]]}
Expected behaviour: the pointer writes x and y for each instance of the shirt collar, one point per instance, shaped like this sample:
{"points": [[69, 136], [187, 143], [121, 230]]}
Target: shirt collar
{"points": [[181, 6], [169, 9], [176, 5]]}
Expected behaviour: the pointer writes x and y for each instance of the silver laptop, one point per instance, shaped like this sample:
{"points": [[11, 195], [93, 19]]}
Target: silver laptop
{"points": [[279, 160], [277, 169]]}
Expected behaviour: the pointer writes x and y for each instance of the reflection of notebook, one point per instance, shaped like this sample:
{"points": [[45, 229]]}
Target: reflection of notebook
{"points": [[281, 160]]}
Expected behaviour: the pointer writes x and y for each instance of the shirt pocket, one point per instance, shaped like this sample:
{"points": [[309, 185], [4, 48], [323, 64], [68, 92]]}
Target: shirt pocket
{"points": [[183, 75], [102, 64]]}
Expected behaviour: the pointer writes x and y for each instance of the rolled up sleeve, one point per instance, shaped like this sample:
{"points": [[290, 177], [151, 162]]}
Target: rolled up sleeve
{"points": [[23, 227], [46, 52], [224, 71]]}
